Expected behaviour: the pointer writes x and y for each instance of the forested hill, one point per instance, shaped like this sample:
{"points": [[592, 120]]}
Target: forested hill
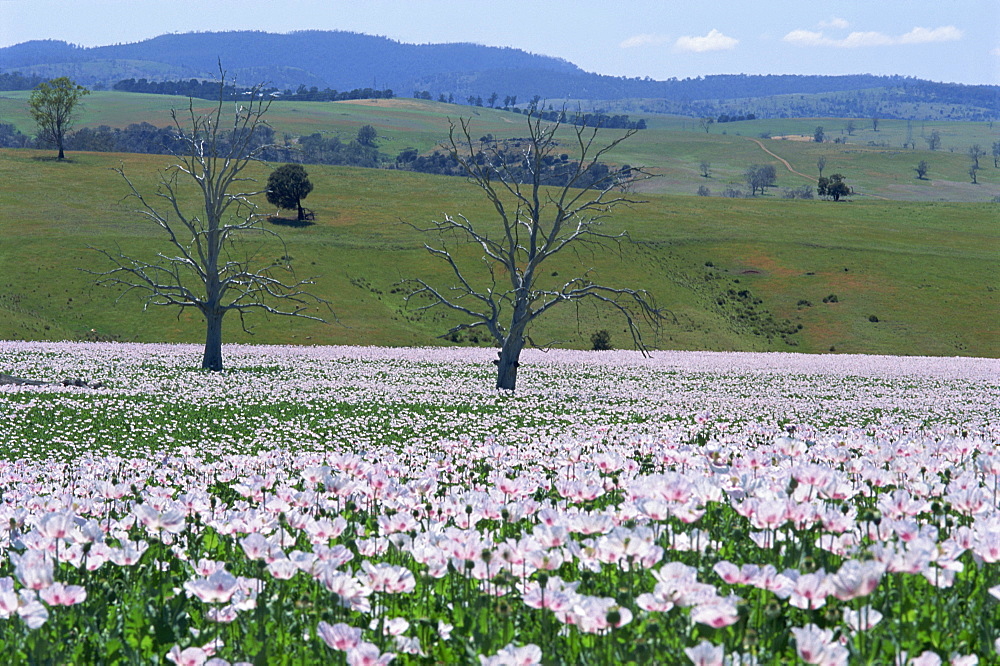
{"points": [[340, 60], [346, 61]]}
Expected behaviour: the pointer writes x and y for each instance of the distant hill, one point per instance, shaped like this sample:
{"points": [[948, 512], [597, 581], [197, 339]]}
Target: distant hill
{"points": [[345, 61]]}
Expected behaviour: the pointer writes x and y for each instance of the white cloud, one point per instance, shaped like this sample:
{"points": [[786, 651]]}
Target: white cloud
{"points": [[835, 22], [713, 41], [645, 39], [948, 33]]}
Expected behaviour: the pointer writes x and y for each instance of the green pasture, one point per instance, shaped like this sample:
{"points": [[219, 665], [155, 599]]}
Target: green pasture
{"points": [[736, 274], [874, 163]]}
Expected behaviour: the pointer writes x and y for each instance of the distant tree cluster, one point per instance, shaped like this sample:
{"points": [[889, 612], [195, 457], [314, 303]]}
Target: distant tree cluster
{"points": [[199, 89], [18, 81], [319, 149], [135, 138], [11, 137], [596, 119], [726, 118], [555, 169], [206, 89], [313, 94]]}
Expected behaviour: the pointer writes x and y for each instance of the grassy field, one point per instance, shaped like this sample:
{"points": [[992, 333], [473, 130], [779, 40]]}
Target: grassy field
{"points": [[874, 162], [737, 274]]}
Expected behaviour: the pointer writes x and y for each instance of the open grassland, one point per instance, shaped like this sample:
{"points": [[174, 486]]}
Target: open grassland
{"points": [[736, 274], [359, 505], [874, 162]]}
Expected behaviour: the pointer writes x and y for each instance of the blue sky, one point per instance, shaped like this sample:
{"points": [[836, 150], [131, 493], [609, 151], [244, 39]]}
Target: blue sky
{"points": [[942, 40]]}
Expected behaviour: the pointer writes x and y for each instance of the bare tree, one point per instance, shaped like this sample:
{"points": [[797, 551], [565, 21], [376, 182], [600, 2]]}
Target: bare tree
{"points": [[209, 263], [821, 164], [975, 152], [996, 154], [706, 169], [760, 177], [541, 213]]}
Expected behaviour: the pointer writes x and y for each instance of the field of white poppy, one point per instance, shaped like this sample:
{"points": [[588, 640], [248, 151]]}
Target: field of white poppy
{"points": [[365, 505]]}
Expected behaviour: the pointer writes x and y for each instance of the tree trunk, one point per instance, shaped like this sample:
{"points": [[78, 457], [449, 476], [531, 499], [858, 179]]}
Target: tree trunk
{"points": [[212, 358], [302, 213], [507, 364]]}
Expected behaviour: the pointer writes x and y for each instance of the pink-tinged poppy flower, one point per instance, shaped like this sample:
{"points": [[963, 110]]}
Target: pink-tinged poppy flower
{"points": [[964, 660], [33, 568], [282, 568], [444, 630], [528, 655], [715, 614], [818, 646], [368, 654], [129, 554], [339, 636], [9, 601], [56, 525], [192, 656], [705, 654], [384, 577], [926, 658], [810, 591], [217, 588], [863, 619], [31, 610], [171, 520], [58, 594], [255, 546], [856, 579]]}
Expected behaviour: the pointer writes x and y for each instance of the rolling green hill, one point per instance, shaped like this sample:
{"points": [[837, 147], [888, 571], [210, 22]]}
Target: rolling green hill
{"points": [[875, 163], [736, 273]]}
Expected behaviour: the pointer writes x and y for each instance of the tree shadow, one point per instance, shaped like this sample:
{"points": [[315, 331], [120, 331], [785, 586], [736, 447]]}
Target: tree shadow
{"points": [[53, 158], [289, 222]]}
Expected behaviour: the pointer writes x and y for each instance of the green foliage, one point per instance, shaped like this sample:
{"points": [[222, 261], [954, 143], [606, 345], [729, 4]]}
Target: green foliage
{"points": [[52, 105], [601, 340], [833, 187], [367, 135], [287, 186]]}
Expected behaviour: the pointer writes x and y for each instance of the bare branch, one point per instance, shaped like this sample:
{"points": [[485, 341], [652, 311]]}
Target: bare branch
{"points": [[542, 211], [211, 265]]}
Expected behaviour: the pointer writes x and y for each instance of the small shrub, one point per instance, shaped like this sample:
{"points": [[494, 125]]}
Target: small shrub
{"points": [[704, 191], [803, 303], [601, 340], [832, 298], [873, 319]]}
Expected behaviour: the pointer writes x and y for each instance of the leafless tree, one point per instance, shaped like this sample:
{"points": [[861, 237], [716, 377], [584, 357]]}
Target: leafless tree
{"points": [[975, 152], [209, 262], [541, 213]]}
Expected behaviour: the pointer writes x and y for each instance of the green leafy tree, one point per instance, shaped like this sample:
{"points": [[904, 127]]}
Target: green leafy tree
{"points": [[922, 168], [367, 135], [834, 187], [287, 186], [819, 134], [53, 105]]}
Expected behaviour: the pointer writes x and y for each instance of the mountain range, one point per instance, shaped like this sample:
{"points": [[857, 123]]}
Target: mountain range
{"points": [[344, 60]]}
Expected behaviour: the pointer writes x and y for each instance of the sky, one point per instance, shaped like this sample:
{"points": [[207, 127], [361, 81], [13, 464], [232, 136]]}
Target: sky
{"points": [[940, 40]]}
